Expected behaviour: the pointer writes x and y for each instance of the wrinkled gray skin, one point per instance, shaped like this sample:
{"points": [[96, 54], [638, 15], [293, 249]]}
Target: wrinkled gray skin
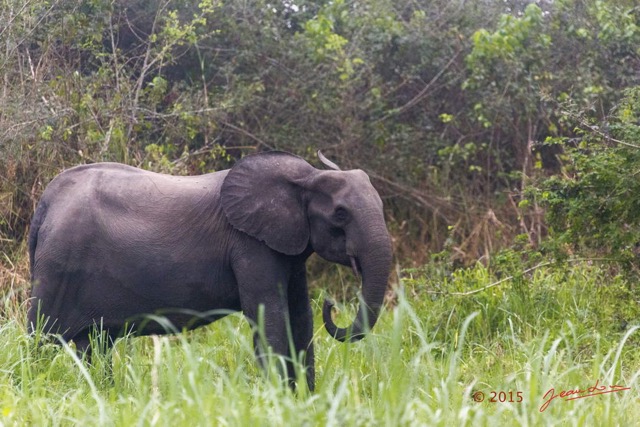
{"points": [[110, 244]]}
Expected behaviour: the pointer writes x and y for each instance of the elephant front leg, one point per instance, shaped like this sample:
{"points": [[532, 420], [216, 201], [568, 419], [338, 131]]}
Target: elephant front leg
{"points": [[285, 324], [301, 321], [263, 281], [273, 296], [269, 319]]}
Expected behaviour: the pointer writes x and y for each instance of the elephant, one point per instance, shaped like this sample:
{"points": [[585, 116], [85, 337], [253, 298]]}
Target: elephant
{"points": [[111, 244]]}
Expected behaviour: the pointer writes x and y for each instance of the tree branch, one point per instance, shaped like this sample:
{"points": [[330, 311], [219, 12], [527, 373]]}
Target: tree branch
{"points": [[416, 99]]}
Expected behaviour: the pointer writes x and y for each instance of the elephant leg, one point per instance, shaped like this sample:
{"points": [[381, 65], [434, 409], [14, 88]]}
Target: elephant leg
{"points": [[301, 321], [264, 290], [83, 348], [270, 331], [91, 341]]}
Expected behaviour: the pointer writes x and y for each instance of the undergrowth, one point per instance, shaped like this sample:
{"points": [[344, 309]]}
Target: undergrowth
{"points": [[434, 352]]}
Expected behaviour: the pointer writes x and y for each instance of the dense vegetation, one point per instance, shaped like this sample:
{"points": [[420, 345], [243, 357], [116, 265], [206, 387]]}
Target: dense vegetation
{"points": [[425, 363], [504, 137], [454, 108]]}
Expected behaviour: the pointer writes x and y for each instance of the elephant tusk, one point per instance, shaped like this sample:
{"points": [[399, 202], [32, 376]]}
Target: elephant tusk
{"points": [[354, 266]]}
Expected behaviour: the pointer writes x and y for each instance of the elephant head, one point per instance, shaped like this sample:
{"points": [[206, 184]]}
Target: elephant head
{"points": [[295, 208]]}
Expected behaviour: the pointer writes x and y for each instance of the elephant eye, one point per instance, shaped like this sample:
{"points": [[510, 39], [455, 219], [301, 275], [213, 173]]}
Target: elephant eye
{"points": [[340, 214]]}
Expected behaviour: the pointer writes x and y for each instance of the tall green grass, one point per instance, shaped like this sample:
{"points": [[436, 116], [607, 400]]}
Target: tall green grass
{"points": [[424, 362]]}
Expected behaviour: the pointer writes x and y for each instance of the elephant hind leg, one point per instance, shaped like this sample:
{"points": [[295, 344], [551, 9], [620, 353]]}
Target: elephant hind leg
{"points": [[93, 352], [83, 347], [90, 341]]}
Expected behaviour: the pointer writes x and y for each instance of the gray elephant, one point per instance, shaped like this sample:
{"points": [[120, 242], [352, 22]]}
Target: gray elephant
{"points": [[111, 244]]}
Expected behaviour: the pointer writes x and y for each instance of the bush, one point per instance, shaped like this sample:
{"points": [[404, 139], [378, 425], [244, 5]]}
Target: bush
{"points": [[592, 206]]}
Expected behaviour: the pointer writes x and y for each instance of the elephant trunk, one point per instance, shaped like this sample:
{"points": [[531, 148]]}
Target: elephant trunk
{"points": [[375, 266]]}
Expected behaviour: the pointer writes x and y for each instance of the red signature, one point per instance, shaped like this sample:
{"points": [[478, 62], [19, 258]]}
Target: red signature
{"points": [[594, 390]]}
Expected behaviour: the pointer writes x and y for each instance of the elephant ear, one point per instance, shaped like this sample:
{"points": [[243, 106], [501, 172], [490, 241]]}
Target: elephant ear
{"points": [[262, 196]]}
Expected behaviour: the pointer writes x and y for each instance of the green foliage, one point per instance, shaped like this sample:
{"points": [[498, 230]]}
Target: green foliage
{"points": [[592, 206], [421, 365], [472, 122], [504, 293], [447, 107], [517, 42]]}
